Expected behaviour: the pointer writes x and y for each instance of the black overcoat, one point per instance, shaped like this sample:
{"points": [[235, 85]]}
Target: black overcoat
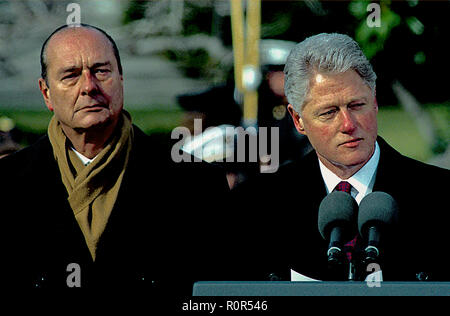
{"points": [[163, 232], [282, 220]]}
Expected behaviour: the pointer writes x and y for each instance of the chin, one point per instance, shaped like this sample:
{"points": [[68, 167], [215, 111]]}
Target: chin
{"points": [[356, 161], [95, 121]]}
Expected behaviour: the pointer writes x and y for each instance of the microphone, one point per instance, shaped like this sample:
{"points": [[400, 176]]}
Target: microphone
{"points": [[378, 212], [337, 223]]}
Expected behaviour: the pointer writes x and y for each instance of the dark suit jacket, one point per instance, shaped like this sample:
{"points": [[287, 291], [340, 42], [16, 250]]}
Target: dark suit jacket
{"points": [[161, 233], [282, 213]]}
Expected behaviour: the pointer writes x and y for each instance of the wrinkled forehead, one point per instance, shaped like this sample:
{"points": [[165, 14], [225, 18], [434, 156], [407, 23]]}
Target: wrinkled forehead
{"points": [[327, 87]]}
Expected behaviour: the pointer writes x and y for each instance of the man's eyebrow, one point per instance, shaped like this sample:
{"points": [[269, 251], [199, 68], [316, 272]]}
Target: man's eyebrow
{"points": [[75, 68], [96, 65], [68, 69], [358, 99], [328, 104]]}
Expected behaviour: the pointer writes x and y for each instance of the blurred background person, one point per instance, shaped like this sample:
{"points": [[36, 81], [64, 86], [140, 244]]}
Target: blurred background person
{"points": [[7, 143], [221, 106]]}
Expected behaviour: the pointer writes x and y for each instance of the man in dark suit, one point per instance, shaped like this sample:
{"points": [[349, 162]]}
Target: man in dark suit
{"points": [[96, 203], [330, 86]]}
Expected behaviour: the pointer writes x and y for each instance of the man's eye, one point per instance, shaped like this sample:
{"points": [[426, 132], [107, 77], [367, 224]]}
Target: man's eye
{"points": [[356, 105], [102, 71], [69, 76], [328, 113]]}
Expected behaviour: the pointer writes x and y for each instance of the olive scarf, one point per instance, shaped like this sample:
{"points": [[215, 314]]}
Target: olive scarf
{"points": [[93, 189]]}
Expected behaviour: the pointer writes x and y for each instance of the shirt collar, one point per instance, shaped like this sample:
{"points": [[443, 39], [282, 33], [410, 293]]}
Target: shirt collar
{"points": [[362, 181], [85, 160]]}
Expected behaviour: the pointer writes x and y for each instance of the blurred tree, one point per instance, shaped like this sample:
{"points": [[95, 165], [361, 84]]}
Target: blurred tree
{"points": [[134, 11]]}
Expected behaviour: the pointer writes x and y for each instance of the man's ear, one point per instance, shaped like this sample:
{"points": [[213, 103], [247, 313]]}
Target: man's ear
{"points": [[45, 90], [298, 122]]}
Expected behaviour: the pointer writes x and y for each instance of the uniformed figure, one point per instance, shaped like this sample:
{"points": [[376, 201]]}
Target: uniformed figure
{"points": [[222, 106]]}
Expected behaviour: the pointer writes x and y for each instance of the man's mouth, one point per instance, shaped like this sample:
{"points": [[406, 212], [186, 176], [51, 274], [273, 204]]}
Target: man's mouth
{"points": [[352, 142], [94, 107]]}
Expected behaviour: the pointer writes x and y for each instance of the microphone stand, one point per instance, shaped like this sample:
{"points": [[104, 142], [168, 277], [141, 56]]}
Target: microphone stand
{"points": [[361, 259], [356, 266], [352, 271], [336, 266]]}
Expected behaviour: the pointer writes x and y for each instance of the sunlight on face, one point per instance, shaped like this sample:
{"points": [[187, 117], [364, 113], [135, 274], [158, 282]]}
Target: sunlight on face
{"points": [[339, 119]]}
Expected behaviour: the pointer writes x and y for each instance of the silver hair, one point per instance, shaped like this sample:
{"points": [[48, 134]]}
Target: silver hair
{"points": [[323, 53]]}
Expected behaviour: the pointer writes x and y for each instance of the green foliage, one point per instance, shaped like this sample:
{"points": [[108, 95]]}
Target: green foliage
{"points": [[372, 39], [134, 11]]}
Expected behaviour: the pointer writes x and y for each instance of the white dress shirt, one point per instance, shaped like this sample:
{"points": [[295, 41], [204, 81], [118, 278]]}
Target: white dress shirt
{"points": [[362, 181], [85, 160]]}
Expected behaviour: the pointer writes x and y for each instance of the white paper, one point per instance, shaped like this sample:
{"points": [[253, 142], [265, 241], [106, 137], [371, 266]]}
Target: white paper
{"points": [[297, 277], [376, 276]]}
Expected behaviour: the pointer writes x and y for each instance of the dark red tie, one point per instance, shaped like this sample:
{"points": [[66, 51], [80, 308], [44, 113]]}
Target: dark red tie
{"points": [[344, 186]]}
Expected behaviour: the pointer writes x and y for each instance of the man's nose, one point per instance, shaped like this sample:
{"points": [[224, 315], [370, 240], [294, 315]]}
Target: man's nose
{"points": [[348, 122], [88, 84]]}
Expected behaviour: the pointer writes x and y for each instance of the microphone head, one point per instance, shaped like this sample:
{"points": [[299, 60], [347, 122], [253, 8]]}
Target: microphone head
{"points": [[377, 208], [337, 209]]}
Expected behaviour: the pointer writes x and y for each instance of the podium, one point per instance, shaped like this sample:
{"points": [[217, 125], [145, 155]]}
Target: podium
{"points": [[285, 288]]}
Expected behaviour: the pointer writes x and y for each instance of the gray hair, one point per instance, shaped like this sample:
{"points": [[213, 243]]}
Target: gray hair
{"points": [[326, 53]]}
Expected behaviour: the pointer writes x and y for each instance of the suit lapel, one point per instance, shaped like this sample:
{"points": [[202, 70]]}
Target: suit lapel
{"points": [[391, 177]]}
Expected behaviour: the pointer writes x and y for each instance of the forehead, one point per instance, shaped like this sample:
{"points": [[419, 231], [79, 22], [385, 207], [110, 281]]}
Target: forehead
{"points": [[344, 86], [75, 44]]}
